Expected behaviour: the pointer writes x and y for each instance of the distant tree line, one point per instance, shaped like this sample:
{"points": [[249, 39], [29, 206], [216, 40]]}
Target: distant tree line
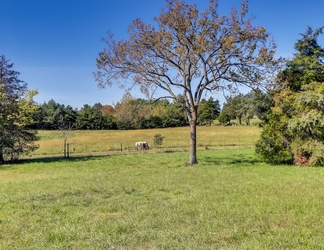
{"points": [[138, 113], [129, 113]]}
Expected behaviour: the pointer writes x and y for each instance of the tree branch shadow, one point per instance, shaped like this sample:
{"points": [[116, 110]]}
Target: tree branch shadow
{"points": [[234, 159], [53, 159]]}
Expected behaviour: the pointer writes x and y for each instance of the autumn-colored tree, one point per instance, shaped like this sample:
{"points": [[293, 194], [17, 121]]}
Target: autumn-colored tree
{"points": [[107, 110], [190, 51], [159, 108], [126, 112]]}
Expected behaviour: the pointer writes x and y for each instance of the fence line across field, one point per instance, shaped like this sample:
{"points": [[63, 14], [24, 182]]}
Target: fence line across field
{"points": [[81, 149]]}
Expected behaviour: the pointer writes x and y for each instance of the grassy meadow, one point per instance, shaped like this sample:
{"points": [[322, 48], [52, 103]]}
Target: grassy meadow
{"points": [[230, 200], [87, 142]]}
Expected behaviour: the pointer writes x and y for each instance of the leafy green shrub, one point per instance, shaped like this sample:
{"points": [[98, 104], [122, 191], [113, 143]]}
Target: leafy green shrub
{"points": [[224, 118], [158, 140]]}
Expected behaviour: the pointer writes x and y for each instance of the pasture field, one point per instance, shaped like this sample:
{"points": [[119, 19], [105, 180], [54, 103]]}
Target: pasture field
{"points": [[230, 200], [107, 142]]}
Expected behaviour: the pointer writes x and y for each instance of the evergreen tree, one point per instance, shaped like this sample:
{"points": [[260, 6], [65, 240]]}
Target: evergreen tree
{"points": [[261, 104], [294, 129], [53, 115], [208, 111], [16, 114], [240, 107]]}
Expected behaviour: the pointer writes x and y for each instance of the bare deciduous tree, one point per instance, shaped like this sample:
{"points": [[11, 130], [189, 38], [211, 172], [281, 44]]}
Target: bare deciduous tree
{"points": [[192, 52]]}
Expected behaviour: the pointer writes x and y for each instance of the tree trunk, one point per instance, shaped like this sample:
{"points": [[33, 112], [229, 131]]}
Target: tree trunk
{"points": [[64, 148], [1, 156], [193, 141]]}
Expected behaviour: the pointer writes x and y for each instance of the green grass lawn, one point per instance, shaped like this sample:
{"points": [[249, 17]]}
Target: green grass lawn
{"points": [[230, 200]]}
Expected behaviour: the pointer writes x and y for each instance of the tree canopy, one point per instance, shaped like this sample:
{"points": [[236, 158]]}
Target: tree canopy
{"points": [[243, 108], [16, 114], [293, 131], [208, 111], [190, 51]]}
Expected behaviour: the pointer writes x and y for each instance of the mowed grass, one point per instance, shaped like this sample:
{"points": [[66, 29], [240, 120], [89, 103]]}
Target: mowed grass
{"points": [[111, 141], [230, 200]]}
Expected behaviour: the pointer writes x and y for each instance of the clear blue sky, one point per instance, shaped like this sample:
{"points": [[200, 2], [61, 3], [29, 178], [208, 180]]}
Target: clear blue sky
{"points": [[54, 43]]}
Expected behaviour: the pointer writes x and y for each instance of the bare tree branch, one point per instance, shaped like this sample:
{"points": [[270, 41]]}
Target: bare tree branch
{"points": [[193, 51]]}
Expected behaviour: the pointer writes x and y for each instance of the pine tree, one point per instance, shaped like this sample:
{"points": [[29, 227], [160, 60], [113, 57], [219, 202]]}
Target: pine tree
{"points": [[294, 131]]}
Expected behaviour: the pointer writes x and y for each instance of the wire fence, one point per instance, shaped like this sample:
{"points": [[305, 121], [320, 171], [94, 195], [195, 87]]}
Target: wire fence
{"points": [[76, 149]]}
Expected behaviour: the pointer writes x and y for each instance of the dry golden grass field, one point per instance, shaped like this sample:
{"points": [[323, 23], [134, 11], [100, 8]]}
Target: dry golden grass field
{"points": [[87, 142]]}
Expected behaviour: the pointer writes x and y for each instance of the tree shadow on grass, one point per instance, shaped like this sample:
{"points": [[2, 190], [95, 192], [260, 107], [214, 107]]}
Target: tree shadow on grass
{"points": [[232, 160], [54, 160]]}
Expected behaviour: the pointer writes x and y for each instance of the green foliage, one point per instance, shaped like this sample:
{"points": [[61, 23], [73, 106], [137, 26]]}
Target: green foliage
{"points": [[53, 115], [17, 109], [224, 118], [174, 116], [129, 113], [273, 147], [261, 103], [293, 131], [208, 111], [134, 113], [243, 108], [56, 116], [235, 107], [93, 118], [158, 140]]}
